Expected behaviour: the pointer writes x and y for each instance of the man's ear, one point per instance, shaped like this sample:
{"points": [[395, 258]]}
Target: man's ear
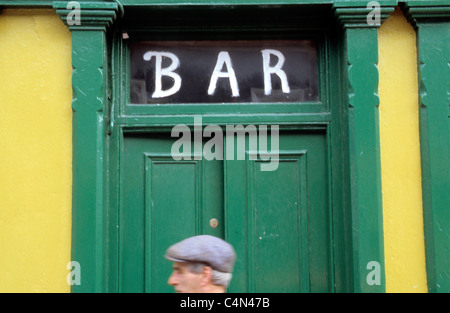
{"points": [[206, 275]]}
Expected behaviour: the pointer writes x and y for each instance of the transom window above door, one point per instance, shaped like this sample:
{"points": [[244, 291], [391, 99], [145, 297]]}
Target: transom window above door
{"points": [[223, 71]]}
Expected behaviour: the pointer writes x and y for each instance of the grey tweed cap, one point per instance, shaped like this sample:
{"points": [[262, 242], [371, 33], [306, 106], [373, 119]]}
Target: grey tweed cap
{"points": [[207, 249]]}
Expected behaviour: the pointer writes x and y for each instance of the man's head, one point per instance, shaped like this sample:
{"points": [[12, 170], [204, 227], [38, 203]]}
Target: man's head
{"points": [[201, 264]]}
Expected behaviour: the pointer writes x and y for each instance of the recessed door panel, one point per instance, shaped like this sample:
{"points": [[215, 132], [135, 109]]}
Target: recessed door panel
{"points": [[278, 226], [278, 220], [164, 201]]}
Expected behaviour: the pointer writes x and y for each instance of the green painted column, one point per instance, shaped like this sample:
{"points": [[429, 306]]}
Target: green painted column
{"points": [[88, 25], [433, 34], [360, 53]]}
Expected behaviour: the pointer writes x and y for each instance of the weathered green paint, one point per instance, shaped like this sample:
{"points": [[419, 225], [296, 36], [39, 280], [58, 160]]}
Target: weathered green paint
{"points": [[365, 214], [338, 159], [361, 58], [433, 32], [164, 201], [270, 217], [180, 197], [88, 60], [256, 114], [90, 83], [352, 136], [93, 15], [299, 118], [364, 154]]}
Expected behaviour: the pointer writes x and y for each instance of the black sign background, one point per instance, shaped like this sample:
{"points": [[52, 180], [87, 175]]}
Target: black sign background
{"points": [[198, 60]]}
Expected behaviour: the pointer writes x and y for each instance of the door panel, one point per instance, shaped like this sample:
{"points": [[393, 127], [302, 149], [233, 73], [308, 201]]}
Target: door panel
{"points": [[278, 220], [171, 206], [278, 226], [164, 201]]}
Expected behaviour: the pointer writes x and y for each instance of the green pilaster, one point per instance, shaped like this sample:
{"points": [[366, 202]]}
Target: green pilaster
{"points": [[360, 51], [90, 83], [433, 41]]}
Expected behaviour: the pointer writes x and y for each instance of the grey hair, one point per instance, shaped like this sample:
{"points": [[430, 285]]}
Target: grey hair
{"points": [[218, 278]]}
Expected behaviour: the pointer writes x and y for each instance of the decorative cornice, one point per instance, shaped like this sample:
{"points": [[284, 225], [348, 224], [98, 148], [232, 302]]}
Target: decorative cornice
{"points": [[426, 13], [360, 17], [92, 15]]}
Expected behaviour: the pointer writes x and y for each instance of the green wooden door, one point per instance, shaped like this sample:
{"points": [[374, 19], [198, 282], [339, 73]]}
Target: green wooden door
{"points": [[277, 220]]}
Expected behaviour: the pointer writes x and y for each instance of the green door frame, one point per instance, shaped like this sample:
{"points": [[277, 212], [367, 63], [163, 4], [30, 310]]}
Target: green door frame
{"points": [[92, 245], [359, 118]]}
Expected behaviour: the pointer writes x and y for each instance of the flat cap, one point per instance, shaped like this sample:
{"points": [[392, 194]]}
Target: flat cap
{"points": [[207, 249]]}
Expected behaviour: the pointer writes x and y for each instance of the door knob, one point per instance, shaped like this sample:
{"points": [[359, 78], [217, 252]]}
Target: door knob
{"points": [[213, 222]]}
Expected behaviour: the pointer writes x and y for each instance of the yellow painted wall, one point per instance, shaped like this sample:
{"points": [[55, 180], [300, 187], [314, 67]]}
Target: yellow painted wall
{"points": [[35, 151], [400, 157]]}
